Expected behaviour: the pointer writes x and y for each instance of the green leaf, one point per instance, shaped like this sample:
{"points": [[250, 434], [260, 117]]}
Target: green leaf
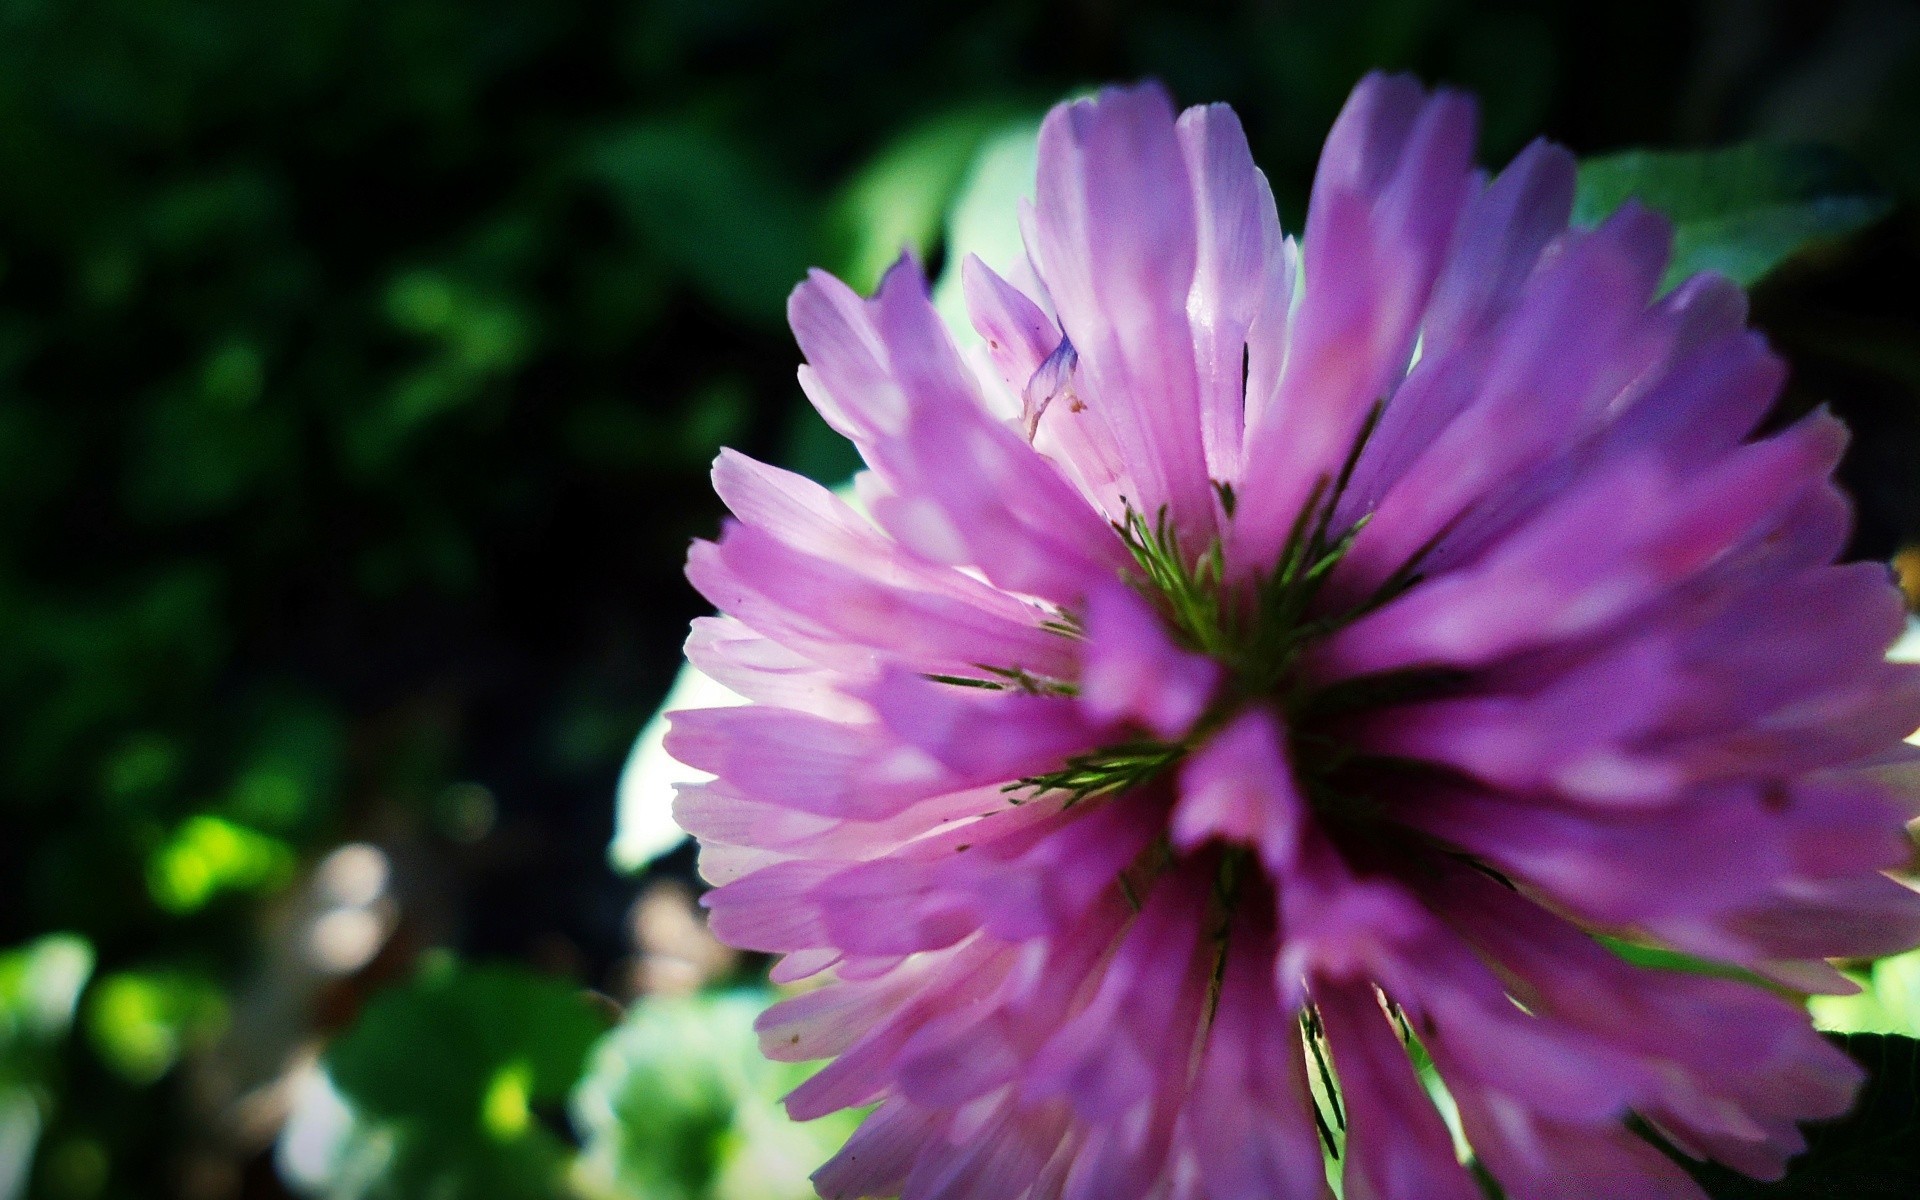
{"points": [[680, 1105], [1659, 958], [710, 208], [141, 1022], [1741, 210], [40, 985], [1888, 1000], [209, 855], [451, 1074], [1873, 1153], [900, 198], [984, 219]]}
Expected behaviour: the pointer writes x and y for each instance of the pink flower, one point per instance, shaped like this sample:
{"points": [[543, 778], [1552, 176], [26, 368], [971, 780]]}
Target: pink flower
{"points": [[1262, 662]]}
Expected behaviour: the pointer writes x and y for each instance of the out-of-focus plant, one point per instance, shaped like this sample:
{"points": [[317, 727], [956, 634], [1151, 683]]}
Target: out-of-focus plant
{"points": [[1742, 210], [679, 1104], [40, 985], [451, 1085], [454, 1084]]}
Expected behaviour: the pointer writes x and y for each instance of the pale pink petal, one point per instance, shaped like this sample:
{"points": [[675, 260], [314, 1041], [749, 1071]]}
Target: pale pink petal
{"points": [[1133, 670], [1392, 179], [1116, 244]]}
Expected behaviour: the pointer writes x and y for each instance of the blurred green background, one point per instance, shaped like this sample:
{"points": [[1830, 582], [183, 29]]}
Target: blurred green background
{"points": [[360, 364]]}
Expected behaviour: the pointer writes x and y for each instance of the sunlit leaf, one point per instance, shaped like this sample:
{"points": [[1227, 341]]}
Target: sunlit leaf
{"points": [[141, 1022], [901, 198], [455, 1076], [984, 219], [644, 828], [679, 1104], [40, 985], [1888, 1000], [1740, 210], [209, 855]]}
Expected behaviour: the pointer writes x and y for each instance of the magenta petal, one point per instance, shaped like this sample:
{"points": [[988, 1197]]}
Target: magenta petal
{"points": [[1551, 1160], [876, 1159], [1579, 335], [1248, 1126], [840, 613], [1503, 231], [1565, 654], [982, 736], [1621, 541], [1134, 671], [1392, 179], [1109, 1061], [853, 385], [1239, 787], [1115, 242], [1009, 512], [1240, 260], [1018, 334]]}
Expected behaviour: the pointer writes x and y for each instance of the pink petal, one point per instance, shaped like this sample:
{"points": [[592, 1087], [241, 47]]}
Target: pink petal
{"points": [[1239, 256], [1392, 179], [1239, 787], [1116, 244], [1133, 670]]}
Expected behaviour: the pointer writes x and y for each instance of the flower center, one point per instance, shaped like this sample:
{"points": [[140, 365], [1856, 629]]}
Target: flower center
{"points": [[1259, 629]]}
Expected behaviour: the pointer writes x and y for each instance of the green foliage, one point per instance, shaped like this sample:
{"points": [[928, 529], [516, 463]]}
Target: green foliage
{"points": [[208, 855], [141, 1022], [738, 230], [40, 986], [1888, 1000], [452, 1079], [900, 200], [452, 1086], [679, 1104], [1743, 210], [983, 218]]}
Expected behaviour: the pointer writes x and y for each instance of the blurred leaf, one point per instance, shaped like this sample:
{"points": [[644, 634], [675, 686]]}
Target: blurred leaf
{"points": [[1660, 958], [710, 208], [472, 335], [900, 199], [141, 1022], [679, 1104], [1888, 1000], [143, 766], [209, 855], [204, 447], [20, 1123], [40, 985], [815, 450], [623, 435], [1873, 1153], [293, 757], [1742, 210], [984, 219], [498, 1045]]}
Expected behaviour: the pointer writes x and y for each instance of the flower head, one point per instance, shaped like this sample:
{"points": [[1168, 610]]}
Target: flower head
{"points": [[1260, 669]]}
